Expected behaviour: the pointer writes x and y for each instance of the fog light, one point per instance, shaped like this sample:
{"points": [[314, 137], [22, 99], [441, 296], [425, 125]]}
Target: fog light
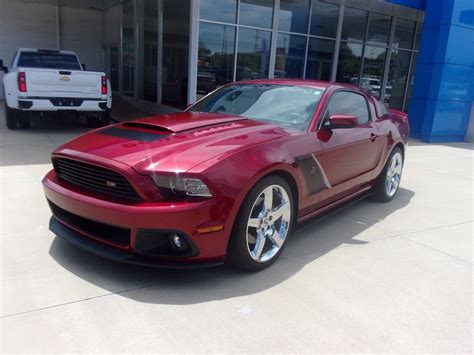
{"points": [[177, 241]]}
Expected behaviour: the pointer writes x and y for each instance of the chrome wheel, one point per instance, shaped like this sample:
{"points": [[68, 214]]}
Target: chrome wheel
{"points": [[268, 223], [394, 174]]}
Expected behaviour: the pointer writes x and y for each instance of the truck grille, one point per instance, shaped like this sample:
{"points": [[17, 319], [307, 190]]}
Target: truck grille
{"points": [[94, 178], [106, 232]]}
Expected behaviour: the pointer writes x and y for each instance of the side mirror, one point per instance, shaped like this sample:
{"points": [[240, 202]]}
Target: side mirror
{"points": [[343, 121], [83, 66]]}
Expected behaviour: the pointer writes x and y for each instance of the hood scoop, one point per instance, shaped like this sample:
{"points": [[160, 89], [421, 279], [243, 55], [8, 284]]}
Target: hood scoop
{"points": [[148, 126]]}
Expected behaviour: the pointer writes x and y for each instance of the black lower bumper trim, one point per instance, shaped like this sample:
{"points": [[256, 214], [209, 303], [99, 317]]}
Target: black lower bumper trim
{"points": [[108, 252], [25, 104]]}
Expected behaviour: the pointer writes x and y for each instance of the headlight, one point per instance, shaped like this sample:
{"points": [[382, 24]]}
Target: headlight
{"points": [[177, 186]]}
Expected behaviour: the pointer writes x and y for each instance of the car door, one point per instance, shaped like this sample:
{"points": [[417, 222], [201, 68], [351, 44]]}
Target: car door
{"points": [[349, 154]]}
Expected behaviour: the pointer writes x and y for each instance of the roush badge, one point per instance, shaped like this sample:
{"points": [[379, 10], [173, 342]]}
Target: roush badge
{"points": [[110, 184]]}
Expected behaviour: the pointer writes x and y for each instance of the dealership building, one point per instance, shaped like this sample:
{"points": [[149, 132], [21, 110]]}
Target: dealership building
{"points": [[417, 56]]}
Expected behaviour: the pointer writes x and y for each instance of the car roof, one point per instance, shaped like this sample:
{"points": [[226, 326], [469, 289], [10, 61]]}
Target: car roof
{"points": [[320, 84]]}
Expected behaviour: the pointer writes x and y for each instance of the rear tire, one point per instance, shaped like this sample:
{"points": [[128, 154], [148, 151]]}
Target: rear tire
{"points": [[24, 120], [260, 232], [101, 120], [11, 117], [389, 179]]}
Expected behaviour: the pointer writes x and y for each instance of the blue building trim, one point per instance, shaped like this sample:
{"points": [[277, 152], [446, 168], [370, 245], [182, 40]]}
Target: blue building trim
{"points": [[443, 91]]}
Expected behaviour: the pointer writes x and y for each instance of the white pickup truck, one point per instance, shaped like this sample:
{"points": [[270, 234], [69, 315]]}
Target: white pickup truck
{"points": [[45, 80]]}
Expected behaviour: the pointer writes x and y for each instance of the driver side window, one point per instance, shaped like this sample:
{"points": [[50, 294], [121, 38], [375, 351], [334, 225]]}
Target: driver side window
{"points": [[348, 103]]}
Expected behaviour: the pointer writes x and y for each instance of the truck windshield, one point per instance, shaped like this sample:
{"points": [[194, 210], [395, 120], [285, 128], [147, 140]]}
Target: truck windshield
{"points": [[286, 106], [48, 60]]}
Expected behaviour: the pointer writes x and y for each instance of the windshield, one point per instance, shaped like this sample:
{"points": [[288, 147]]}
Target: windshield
{"points": [[49, 60], [286, 106]]}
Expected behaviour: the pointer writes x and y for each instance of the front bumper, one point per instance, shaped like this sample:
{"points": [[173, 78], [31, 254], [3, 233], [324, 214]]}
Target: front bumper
{"points": [[115, 254], [185, 218]]}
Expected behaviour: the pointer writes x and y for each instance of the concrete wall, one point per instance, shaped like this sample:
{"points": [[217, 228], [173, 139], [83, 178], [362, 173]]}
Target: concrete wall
{"points": [[81, 31], [111, 21], [29, 24]]}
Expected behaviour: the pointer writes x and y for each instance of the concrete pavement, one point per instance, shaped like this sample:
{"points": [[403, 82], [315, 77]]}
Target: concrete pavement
{"points": [[393, 277]]}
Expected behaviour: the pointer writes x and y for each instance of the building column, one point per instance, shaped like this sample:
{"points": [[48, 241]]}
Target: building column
{"points": [[193, 50], [139, 62], [443, 91]]}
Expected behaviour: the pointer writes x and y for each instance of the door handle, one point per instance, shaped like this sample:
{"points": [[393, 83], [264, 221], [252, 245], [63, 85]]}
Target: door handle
{"points": [[373, 137]]}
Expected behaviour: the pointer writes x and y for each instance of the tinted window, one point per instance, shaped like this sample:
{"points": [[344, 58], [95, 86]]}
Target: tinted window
{"points": [[253, 56], [215, 56], [324, 19], [348, 103], [320, 56], [256, 13], [372, 73], [348, 66], [404, 30], [286, 106], [49, 60], [294, 15], [379, 28], [290, 56], [354, 24], [222, 10]]}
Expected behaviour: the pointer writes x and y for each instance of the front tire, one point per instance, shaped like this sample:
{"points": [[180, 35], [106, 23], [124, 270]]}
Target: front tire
{"points": [[263, 225], [388, 181]]}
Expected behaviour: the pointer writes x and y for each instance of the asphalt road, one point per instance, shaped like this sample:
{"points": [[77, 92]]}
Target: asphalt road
{"points": [[393, 277]]}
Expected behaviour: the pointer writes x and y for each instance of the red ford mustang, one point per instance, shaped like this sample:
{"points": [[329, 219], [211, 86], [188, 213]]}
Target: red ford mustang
{"points": [[227, 179]]}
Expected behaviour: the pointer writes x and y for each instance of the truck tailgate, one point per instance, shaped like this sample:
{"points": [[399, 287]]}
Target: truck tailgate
{"points": [[62, 83]]}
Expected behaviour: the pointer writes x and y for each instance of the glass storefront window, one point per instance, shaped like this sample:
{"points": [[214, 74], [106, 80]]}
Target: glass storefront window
{"points": [[404, 30], [324, 19], [320, 57], [354, 25], [397, 78], [258, 13], [294, 15], [150, 49], [215, 56], [221, 10], [379, 28], [348, 67], [128, 48], [372, 73], [174, 75], [290, 54], [253, 54], [411, 81], [419, 29]]}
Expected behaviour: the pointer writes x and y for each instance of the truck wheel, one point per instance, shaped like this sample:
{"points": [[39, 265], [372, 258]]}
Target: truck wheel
{"points": [[101, 120], [11, 117], [24, 120]]}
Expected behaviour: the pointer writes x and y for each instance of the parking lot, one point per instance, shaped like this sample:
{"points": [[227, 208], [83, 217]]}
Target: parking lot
{"points": [[374, 277]]}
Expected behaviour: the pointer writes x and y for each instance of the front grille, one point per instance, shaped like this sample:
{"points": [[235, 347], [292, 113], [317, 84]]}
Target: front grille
{"points": [[106, 232], [94, 178]]}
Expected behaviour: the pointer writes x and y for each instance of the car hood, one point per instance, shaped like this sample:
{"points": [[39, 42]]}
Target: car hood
{"points": [[174, 142]]}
